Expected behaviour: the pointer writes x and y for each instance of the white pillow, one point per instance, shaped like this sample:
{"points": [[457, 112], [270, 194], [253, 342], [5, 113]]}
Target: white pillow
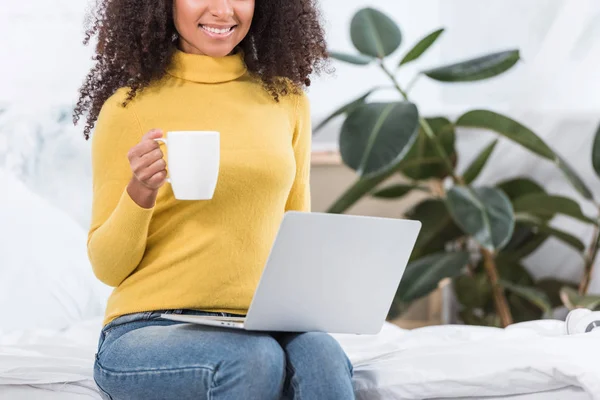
{"points": [[43, 149], [46, 280]]}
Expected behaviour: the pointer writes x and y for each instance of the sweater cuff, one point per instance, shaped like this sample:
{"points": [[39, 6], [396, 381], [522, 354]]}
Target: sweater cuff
{"points": [[136, 218]]}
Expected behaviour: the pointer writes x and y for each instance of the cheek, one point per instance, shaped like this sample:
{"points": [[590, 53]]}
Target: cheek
{"points": [[245, 12], [183, 14]]}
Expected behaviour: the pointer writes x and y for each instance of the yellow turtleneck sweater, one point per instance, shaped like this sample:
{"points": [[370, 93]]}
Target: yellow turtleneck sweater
{"points": [[205, 255]]}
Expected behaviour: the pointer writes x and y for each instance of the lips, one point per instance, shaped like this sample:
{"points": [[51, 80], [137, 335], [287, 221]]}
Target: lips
{"points": [[215, 30]]}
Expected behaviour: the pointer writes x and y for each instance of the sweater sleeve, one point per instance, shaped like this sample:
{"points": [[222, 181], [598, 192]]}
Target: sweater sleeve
{"points": [[299, 197], [119, 226]]}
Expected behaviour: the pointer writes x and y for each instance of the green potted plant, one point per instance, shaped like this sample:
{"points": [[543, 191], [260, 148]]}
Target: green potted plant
{"points": [[475, 233]]}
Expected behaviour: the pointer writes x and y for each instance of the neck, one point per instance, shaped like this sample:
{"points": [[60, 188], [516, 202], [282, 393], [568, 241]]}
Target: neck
{"points": [[206, 69]]}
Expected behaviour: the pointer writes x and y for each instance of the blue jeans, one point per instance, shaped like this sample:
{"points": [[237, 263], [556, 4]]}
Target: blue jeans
{"points": [[141, 356]]}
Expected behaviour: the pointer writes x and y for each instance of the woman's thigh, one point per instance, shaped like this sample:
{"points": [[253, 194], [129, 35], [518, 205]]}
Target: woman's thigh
{"points": [[317, 367], [159, 359]]}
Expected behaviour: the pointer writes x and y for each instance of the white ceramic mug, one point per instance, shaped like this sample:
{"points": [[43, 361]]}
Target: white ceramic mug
{"points": [[193, 159]]}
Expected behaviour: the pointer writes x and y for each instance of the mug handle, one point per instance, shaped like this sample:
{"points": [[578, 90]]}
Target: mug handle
{"points": [[163, 141]]}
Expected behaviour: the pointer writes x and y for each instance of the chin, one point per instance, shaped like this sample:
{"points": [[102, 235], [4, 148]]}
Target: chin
{"points": [[216, 51]]}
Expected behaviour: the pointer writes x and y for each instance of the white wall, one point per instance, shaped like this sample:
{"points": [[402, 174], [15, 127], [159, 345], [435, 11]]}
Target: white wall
{"points": [[44, 61], [559, 42], [554, 90]]}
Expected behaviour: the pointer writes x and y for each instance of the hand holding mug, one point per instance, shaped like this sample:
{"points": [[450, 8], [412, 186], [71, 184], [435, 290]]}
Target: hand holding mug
{"points": [[147, 162], [193, 158], [149, 169]]}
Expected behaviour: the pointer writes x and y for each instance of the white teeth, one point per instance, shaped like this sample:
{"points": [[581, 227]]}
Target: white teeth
{"points": [[215, 30]]}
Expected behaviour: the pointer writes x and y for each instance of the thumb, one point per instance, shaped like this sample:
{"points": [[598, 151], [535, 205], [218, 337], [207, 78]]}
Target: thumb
{"points": [[153, 134]]}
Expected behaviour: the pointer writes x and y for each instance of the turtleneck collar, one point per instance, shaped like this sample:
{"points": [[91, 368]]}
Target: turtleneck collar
{"points": [[206, 69]]}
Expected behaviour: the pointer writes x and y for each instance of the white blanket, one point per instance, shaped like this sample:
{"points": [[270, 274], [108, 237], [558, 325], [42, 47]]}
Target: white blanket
{"points": [[467, 361], [435, 362]]}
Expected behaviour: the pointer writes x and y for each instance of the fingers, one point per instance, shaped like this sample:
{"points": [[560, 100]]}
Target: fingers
{"points": [[146, 160], [146, 144], [146, 173], [157, 179], [150, 158]]}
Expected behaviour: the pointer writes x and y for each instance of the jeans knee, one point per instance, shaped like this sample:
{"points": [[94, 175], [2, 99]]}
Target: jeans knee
{"points": [[260, 364], [317, 368], [264, 359], [326, 358], [334, 353]]}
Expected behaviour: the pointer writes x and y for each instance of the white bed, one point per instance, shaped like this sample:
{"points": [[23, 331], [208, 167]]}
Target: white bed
{"points": [[51, 317], [531, 361]]}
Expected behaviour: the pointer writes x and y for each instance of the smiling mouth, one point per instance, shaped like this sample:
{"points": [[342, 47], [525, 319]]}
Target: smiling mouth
{"points": [[218, 31]]}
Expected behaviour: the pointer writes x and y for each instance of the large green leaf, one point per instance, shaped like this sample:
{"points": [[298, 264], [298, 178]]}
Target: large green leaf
{"points": [[476, 69], [437, 227], [575, 180], [512, 270], [596, 152], [421, 47], [485, 213], [356, 59], [544, 205], [473, 291], [523, 310], [376, 136], [572, 299], [524, 240], [531, 294], [522, 187], [374, 33], [552, 288], [524, 136], [345, 109], [473, 170], [396, 191], [508, 128], [517, 187], [422, 161], [541, 226], [423, 276]]}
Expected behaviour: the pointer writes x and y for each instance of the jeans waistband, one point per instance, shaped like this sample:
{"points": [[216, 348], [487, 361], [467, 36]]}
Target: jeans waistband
{"points": [[148, 315]]}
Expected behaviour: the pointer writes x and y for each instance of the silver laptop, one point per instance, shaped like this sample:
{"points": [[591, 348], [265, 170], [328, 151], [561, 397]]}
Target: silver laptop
{"points": [[326, 272]]}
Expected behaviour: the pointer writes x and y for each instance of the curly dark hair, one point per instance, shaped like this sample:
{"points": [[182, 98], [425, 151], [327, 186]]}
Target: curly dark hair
{"points": [[136, 40]]}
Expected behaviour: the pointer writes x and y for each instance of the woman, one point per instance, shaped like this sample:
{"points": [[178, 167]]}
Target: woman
{"points": [[231, 66]]}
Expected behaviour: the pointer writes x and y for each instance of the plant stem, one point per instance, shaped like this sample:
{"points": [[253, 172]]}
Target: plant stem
{"points": [[393, 79], [490, 265], [412, 83], [590, 258], [498, 293], [426, 128], [440, 150]]}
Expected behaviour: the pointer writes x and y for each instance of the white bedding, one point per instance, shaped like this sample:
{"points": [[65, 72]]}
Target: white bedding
{"points": [[52, 357], [435, 362]]}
